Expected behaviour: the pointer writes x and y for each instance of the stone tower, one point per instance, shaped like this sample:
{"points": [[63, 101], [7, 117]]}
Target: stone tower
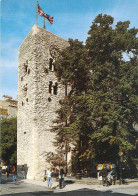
{"points": [[39, 95]]}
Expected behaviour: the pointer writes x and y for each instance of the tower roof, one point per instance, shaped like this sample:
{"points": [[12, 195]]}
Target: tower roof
{"points": [[37, 30]]}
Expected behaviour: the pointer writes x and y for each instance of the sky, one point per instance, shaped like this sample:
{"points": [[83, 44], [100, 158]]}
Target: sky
{"points": [[72, 19]]}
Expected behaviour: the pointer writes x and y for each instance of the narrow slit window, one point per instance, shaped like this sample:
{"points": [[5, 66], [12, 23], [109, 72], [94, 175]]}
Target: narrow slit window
{"points": [[55, 89], [50, 87], [51, 64], [28, 71], [25, 67]]}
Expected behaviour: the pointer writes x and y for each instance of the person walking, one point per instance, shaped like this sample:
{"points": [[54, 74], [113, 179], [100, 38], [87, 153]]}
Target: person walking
{"points": [[104, 174], [62, 177], [112, 177], [0, 173], [23, 172], [49, 179], [44, 175], [14, 175], [7, 172]]}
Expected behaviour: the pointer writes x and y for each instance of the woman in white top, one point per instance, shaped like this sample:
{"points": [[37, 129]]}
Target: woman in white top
{"points": [[49, 179]]}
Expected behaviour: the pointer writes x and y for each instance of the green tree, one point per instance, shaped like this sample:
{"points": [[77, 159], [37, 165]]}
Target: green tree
{"points": [[9, 141], [72, 71], [112, 91], [100, 109]]}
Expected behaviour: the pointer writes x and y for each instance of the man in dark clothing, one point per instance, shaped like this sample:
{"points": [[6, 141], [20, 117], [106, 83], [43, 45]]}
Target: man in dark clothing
{"points": [[104, 174], [62, 177], [7, 172]]}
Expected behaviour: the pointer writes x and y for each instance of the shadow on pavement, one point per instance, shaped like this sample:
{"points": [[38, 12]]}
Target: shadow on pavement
{"points": [[80, 192]]}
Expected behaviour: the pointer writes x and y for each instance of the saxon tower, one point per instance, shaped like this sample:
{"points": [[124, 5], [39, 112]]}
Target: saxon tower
{"points": [[39, 95]]}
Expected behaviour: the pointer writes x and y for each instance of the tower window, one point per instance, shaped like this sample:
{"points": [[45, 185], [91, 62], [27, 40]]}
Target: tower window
{"points": [[51, 64], [28, 71], [55, 89], [50, 87], [25, 67]]}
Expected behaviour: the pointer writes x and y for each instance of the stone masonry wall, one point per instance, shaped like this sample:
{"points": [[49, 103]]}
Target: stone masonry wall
{"points": [[36, 105]]}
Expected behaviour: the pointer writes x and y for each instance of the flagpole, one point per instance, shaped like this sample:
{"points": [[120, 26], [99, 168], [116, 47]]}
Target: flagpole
{"points": [[44, 23], [36, 11]]}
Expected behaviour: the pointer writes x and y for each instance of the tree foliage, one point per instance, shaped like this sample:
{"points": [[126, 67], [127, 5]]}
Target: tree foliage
{"points": [[112, 89], [9, 141], [99, 112], [72, 70]]}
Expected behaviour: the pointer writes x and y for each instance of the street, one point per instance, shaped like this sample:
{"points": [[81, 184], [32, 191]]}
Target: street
{"points": [[27, 188]]}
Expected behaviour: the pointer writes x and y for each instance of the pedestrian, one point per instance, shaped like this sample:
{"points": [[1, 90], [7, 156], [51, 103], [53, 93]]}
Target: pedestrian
{"points": [[14, 175], [49, 179], [112, 177], [0, 173], [104, 174], [7, 172], [44, 175], [62, 177], [23, 172]]}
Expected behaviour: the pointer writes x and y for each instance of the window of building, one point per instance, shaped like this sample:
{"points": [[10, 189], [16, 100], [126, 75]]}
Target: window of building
{"points": [[25, 67], [51, 64], [50, 87], [55, 88], [28, 71]]}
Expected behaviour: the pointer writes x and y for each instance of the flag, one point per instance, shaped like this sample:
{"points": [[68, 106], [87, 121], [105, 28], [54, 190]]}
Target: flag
{"points": [[41, 13]]}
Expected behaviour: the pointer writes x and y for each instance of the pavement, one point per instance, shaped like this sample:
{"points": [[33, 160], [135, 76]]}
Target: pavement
{"points": [[84, 181], [89, 186], [71, 184]]}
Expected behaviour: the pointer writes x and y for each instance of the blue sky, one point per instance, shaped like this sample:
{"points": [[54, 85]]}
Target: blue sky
{"points": [[72, 19]]}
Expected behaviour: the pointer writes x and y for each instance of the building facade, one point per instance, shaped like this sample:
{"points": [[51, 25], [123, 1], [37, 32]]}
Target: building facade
{"points": [[39, 97], [8, 107]]}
